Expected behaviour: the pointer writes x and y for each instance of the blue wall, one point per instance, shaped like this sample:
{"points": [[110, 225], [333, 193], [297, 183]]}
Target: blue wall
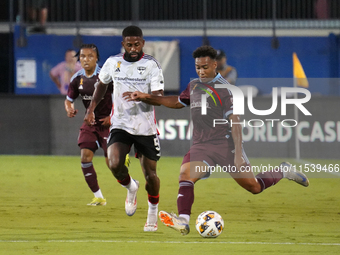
{"points": [[252, 56]]}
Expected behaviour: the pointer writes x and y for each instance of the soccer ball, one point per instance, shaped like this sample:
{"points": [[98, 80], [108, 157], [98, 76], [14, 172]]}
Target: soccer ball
{"points": [[209, 224]]}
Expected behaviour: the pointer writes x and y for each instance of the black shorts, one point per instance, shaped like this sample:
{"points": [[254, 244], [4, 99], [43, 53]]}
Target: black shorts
{"points": [[146, 145]]}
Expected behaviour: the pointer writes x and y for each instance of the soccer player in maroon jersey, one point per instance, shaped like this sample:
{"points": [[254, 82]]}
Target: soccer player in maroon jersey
{"points": [[90, 137], [220, 145]]}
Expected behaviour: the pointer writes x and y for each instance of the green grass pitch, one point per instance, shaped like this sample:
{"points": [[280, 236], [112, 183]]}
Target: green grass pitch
{"points": [[43, 211]]}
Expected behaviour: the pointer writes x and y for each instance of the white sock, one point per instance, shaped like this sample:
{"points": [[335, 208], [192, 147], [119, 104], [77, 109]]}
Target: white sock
{"points": [[185, 216], [153, 208], [152, 213], [98, 194], [132, 186]]}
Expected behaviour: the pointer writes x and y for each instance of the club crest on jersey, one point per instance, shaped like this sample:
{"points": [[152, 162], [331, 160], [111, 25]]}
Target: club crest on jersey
{"points": [[81, 84], [118, 67], [141, 69]]}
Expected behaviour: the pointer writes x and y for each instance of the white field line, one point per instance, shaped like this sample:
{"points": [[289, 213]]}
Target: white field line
{"points": [[164, 242]]}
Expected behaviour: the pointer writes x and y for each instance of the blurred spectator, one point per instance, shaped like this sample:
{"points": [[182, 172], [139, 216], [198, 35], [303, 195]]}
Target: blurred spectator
{"points": [[321, 9], [62, 73], [228, 72], [38, 9]]}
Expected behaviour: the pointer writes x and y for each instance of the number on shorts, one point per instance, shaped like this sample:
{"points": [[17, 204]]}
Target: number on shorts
{"points": [[156, 142]]}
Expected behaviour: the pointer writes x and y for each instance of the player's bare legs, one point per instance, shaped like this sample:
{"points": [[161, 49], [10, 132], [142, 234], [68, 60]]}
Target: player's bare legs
{"points": [[247, 181], [256, 184], [152, 181], [152, 186], [91, 177], [117, 154]]}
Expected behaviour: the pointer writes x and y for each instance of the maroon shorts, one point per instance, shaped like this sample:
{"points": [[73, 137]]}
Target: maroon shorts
{"points": [[213, 154], [93, 137]]}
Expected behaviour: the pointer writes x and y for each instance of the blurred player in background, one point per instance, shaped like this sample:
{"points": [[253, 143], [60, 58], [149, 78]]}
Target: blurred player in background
{"points": [[226, 71], [90, 137], [132, 122], [220, 145], [62, 72]]}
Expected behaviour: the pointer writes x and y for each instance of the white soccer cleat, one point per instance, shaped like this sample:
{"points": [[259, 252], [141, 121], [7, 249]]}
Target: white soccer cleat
{"points": [[290, 172], [171, 220], [150, 227], [151, 222], [131, 201]]}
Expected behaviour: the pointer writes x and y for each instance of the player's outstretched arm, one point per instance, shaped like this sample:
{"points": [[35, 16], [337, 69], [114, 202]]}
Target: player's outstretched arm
{"points": [[167, 101], [69, 107], [236, 133], [98, 94]]}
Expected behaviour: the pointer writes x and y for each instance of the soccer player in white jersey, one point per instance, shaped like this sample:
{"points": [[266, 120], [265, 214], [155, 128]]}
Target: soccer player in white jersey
{"points": [[132, 122]]}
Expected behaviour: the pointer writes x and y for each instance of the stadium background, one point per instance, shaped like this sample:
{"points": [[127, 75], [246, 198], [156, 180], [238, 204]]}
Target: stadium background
{"points": [[34, 121], [43, 198]]}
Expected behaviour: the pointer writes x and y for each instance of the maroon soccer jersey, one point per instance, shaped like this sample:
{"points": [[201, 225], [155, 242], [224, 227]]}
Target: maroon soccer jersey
{"points": [[83, 86], [204, 129]]}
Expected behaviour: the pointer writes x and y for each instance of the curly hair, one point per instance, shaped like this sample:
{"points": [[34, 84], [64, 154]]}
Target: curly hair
{"points": [[132, 31], [205, 51]]}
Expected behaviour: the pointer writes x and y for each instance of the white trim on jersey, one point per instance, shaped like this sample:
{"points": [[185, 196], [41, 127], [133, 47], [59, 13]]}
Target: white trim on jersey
{"points": [[69, 99], [179, 100]]}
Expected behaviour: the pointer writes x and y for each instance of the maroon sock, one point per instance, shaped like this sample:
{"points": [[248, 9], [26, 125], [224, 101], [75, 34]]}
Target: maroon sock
{"points": [[125, 181], [269, 178], [185, 197], [153, 199], [90, 176]]}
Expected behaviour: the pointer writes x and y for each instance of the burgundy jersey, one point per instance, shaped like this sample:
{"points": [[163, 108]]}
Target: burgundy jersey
{"points": [[219, 106], [83, 86]]}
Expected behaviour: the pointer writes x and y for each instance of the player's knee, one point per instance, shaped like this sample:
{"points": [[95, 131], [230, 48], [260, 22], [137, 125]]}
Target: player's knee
{"points": [[254, 189], [115, 165], [151, 177], [86, 155], [183, 177], [86, 158]]}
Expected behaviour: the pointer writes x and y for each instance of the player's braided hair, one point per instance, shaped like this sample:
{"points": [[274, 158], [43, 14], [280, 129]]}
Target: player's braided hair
{"points": [[205, 51], [132, 31], [88, 46]]}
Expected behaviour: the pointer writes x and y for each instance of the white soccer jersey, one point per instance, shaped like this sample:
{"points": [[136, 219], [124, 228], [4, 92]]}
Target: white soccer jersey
{"points": [[144, 75]]}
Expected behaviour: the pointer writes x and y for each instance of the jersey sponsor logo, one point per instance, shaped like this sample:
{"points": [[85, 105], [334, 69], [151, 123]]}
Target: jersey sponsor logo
{"points": [[196, 104], [118, 67], [86, 97], [81, 84], [129, 79], [141, 69]]}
